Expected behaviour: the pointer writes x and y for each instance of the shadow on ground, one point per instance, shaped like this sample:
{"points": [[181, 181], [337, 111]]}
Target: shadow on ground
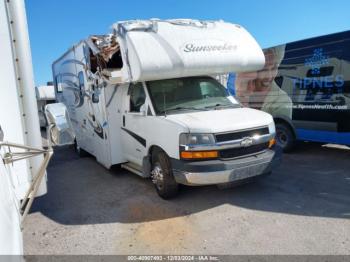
{"points": [[312, 181]]}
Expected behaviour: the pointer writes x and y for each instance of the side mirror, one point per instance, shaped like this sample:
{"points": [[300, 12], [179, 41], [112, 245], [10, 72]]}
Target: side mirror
{"points": [[60, 130], [143, 110]]}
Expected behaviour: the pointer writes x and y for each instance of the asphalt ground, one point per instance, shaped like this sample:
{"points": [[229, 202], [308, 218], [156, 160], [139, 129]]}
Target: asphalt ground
{"points": [[302, 208]]}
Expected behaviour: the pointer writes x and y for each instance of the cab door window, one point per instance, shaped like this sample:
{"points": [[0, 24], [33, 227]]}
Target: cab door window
{"points": [[137, 97]]}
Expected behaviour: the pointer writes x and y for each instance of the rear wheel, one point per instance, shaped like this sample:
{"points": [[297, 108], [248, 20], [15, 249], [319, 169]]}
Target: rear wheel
{"points": [[285, 137], [162, 175]]}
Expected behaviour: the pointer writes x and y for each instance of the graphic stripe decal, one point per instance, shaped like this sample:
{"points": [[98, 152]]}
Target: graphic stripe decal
{"points": [[141, 140], [324, 136]]}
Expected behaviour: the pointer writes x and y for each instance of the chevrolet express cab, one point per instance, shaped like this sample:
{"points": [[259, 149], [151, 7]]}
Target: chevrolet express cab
{"points": [[145, 96]]}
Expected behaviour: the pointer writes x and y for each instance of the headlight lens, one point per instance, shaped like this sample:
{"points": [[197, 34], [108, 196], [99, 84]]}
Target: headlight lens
{"points": [[196, 139]]}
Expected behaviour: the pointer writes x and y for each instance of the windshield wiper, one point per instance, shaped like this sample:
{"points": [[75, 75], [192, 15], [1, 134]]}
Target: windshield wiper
{"points": [[216, 106], [184, 108]]}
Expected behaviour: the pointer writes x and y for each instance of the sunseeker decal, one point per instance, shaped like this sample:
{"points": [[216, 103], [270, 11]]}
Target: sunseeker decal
{"points": [[206, 46]]}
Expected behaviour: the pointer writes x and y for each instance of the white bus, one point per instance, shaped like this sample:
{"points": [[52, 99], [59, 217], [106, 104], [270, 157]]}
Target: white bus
{"points": [[305, 85]]}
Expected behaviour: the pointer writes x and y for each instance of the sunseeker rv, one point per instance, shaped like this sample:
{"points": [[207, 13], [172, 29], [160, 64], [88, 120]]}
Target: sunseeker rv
{"points": [[143, 97]]}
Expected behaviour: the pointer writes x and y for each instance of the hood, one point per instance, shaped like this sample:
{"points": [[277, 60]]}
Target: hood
{"points": [[225, 120]]}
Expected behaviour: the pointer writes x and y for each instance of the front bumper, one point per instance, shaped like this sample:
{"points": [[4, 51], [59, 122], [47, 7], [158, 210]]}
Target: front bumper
{"points": [[223, 171]]}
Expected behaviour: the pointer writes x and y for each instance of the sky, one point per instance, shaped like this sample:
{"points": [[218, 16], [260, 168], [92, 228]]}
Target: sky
{"points": [[56, 25]]}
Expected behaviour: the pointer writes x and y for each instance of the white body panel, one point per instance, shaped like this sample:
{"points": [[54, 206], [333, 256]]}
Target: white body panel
{"points": [[97, 125], [45, 93], [19, 121], [19, 117], [179, 48], [11, 118], [11, 242], [222, 121]]}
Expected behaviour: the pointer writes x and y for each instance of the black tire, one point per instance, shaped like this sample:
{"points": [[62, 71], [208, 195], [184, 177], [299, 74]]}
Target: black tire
{"points": [[162, 175], [285, 137], [80, 152]]}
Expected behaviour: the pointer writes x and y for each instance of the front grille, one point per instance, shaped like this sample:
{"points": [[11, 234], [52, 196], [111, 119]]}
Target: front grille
{"points": [[242, 151], [241, 134]]}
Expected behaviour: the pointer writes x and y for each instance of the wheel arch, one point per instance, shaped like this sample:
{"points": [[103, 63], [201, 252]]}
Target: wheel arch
{"points": [[287, 121], [154, 148], [147, 160]]}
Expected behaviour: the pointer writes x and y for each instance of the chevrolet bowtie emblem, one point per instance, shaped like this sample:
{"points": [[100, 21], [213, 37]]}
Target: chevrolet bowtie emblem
{"points": [[246, 141]]}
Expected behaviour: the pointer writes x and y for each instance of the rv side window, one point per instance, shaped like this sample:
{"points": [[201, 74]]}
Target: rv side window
{"points": [[81, 81], [58, 85], [137, 97]]}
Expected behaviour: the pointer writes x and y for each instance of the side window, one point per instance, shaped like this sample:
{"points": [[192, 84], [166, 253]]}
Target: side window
{"points": [[137, 97], [81, 82], [58, 85]]}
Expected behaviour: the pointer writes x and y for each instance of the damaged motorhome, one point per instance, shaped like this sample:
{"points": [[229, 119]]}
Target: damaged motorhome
{"points": [[143, 97]]}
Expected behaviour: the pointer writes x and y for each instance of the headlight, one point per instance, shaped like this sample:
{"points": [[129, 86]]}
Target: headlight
{"points": [[272, 128], [188, 141], [197, 139]]}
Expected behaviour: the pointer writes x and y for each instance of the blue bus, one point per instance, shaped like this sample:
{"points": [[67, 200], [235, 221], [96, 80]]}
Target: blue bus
{"points": [[305, 86]]}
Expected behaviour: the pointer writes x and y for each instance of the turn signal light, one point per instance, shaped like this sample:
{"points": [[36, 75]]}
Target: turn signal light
{"points": [[199, 154], [272, 142]]}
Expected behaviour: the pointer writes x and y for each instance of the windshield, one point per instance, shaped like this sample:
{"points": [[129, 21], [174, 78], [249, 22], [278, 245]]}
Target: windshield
{"points": [[191, 94]]}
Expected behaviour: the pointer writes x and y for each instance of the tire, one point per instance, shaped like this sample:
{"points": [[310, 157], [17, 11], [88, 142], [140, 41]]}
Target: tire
{"points": [[285, 137], [80, 152], [162, 175]]}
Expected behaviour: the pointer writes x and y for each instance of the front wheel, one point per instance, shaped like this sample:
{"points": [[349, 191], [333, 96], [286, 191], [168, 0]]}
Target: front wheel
{"points": [[285, 137], [162, 175]]}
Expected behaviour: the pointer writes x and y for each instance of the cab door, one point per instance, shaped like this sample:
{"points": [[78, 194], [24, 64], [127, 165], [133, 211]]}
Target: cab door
{"points": [[133, 137]]}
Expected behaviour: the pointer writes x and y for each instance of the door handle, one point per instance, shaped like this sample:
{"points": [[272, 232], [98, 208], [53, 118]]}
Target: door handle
{"points": [[124, 121]]}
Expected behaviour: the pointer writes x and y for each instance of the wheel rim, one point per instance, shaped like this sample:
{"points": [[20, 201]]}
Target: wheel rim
{"points": [[158, 176], [282, 138]]}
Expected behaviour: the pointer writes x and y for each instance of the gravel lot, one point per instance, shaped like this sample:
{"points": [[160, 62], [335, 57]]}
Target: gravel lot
{"points": [[302, 208]]}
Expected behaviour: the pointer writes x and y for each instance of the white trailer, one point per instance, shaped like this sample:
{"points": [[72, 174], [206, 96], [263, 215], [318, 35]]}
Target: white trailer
{"points": [[23, 161], [143, 97], [18, 119]]}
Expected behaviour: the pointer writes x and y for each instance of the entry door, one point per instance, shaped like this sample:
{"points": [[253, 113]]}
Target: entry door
{"points": [[133, 139]]}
